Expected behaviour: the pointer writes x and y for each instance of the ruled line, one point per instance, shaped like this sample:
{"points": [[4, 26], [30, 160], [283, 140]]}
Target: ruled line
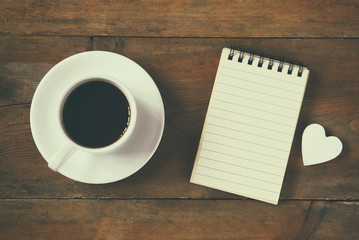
{"points": [[252, 116], [269, 129], [236, 104], [256, 74], [279, 149], [239, 175], [248, 159], [239, 184], [216, 160], [257, 135], [245, 80], [251, 90], [256, 100], [267, 155]]}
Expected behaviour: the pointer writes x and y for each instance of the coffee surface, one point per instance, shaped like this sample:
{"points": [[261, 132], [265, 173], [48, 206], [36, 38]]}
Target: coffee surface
{"points": [[96, 114]]}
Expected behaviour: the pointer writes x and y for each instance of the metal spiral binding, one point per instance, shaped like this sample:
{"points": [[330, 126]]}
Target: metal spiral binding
{"points": [[261, 61], [300, 71], [290, 69], [241, 54], [271, 62], [251, 58], [231, 54], [280, 67]]}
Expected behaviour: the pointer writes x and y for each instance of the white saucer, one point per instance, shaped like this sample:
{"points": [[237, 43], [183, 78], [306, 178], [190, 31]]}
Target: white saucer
{"points": [[83, 166]]}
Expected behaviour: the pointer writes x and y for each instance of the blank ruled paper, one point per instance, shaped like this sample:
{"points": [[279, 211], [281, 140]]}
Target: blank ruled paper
{"points": [[249, 127]]}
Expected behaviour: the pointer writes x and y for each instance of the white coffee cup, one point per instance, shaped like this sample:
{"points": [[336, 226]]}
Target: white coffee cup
{"points": [[69, 146]]}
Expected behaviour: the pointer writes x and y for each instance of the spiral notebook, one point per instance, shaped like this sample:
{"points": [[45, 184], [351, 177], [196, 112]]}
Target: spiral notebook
{"points": [[250, 125]]}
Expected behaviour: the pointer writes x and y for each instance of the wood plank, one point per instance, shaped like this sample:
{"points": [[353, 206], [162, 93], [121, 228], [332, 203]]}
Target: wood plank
{"points": [[37, 49], [184, 70], [25, 60], [177, 219], [187, 18]]}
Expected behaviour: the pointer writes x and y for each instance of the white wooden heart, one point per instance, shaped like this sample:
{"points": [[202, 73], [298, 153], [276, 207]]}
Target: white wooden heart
{"points": [[317, 148]]}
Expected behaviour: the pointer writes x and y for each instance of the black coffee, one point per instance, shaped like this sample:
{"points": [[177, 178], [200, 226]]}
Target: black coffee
{"points": [[96, 114]]}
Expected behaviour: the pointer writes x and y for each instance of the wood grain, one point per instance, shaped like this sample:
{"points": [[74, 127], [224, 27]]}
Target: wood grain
{"points": [[177, 219], [179, 44], [189, 18], [184, 70], [35, 49]]}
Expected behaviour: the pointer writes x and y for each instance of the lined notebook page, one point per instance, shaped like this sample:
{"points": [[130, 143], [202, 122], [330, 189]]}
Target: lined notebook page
{"points": [[249, 127]]}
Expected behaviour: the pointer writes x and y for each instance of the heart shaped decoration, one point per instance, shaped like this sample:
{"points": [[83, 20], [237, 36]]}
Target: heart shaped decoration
{"points": [[317, 148]]}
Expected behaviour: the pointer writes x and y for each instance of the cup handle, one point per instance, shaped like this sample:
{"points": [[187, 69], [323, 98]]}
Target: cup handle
{"points": [[61, 156]]}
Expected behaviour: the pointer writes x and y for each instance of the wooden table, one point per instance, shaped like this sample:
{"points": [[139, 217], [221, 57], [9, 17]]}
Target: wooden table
{"points": [[179, 43]]}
